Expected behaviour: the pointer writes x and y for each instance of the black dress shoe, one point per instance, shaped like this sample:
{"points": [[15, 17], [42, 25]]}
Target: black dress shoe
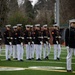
{"points": [[15, 58], [69, 70], [21, 60], [29, 59], [9, 59], [38, 59], [58, 58], [47, 57], [32, 58]]}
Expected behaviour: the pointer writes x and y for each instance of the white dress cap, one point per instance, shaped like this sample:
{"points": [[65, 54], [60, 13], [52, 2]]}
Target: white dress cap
{"points": [[55, 25], [72, 20], [27, 25], [31, 26], [14, 27], [36, 25], [8, 25], [45, 25], [19, 24]]}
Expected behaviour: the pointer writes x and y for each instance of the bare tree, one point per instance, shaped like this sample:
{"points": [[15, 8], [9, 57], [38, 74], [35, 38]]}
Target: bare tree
{"points": [[29, 11], [45, 9], [67, 10], [13, 7]]}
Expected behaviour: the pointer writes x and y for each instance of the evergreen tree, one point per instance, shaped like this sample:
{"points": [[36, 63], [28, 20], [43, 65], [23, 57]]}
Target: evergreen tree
{"points": [[13, 6], [3, 12], [13, 12], [67, 10], [29, 11]]}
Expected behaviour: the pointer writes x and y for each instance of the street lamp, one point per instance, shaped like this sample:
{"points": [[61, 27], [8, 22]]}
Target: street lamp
{"points": [[56, 12]]}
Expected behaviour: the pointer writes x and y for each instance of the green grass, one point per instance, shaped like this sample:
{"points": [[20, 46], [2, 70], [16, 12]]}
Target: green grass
{"points": [[26, 64]]}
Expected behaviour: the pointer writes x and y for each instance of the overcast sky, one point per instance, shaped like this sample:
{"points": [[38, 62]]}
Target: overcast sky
{"points": [[21, 1]]}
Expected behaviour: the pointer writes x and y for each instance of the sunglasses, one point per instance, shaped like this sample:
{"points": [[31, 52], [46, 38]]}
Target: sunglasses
{"points": [[19, 26], [73, 22], [45, 27], [28, 27], [8, 27], [55, 26]]}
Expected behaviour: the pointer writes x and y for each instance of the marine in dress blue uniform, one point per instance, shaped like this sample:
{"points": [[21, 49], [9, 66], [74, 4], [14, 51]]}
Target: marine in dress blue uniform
{"points": [[46, 43], [20, 39], [37, 41], [14, 42], [32, 44], [8, 42], [56, 41], [28, 42]]}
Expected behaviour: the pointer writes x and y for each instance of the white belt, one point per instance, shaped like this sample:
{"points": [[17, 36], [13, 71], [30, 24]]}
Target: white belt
{"points": [[29, 37]]}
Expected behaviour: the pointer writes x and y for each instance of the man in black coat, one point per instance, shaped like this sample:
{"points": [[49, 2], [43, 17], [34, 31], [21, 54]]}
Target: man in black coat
{"points": [[70, 42], [0, 42], [67, 39]]}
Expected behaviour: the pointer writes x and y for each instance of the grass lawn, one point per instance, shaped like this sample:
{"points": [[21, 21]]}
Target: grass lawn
{"points": [[33, 67]]}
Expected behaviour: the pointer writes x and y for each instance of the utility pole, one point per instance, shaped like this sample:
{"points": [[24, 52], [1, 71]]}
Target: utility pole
{"points": [[56, 12]]}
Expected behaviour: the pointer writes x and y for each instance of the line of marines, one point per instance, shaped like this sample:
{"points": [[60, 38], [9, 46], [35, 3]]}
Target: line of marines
{"points": [[35, 39]]}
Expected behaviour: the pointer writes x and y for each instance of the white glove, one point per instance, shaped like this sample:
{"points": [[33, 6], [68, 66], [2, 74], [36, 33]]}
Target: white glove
{"points": [[59, 36], [28, 43], [41, 42], [10, 43], [0, 38], [22, 38], [47, 42], [22, 44], [32, 42], [48, 38], [11, 38], [57, 42], [67, 47]]}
